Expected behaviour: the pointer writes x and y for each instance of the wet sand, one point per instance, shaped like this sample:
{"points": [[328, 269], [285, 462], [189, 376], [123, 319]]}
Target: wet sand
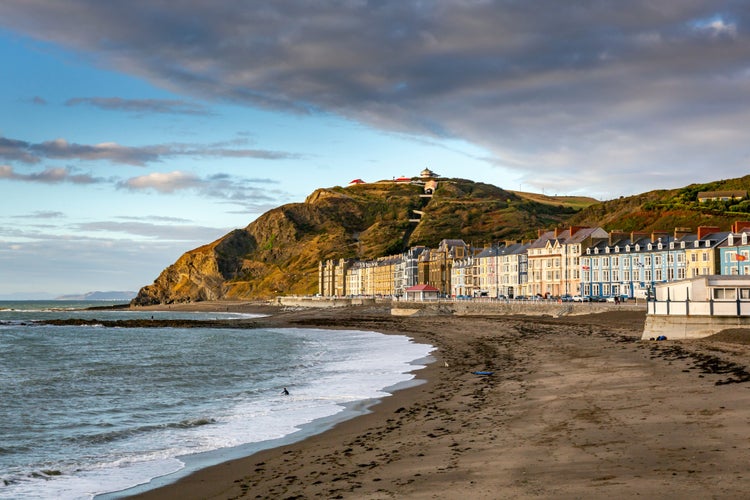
{"points": [[577, 407]]}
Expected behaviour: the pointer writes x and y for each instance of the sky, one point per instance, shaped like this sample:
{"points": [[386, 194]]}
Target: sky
{"points": [[132, 131]]}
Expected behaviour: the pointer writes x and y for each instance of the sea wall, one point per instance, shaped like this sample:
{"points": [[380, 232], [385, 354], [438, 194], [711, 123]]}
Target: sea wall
{"points": [[504, 308], [461, 307], [324, 302], [690, 327]]}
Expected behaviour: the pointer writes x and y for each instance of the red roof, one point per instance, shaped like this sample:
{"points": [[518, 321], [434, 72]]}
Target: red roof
{"points": [[422, 288], [403, 179], [357, 181]]}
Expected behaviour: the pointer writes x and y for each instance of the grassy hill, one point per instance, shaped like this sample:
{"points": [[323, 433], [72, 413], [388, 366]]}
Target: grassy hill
{"points": [[279, 252]]}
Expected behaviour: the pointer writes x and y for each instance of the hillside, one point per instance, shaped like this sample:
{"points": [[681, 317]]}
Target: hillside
{"points": [[667, 209], [279, 252]]}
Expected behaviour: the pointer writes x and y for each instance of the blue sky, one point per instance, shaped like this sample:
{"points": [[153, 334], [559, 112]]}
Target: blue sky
{"points": [[131, 132]]}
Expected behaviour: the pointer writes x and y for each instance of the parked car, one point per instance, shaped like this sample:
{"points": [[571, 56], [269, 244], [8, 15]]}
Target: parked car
{"points": [[597, 298], [579, 298], [566, 298], [521, 297]]}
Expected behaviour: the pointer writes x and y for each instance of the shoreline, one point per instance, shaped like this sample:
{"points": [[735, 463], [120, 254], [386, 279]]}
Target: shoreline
{"points": [[576, 407]]}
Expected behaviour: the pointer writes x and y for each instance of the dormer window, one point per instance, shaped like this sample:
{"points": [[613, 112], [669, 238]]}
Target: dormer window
{"points": [[671, 245], [617, 249], [708, 243], [659, 247], [744, 238], [588, 251], [650, 246], [682, 244], [697, 244], [627, 248], [596, 251], [606, 250], [730, 240], [637, 247]]}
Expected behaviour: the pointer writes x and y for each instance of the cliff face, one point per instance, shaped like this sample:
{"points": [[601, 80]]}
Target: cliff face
{"points": [[279, 252]]}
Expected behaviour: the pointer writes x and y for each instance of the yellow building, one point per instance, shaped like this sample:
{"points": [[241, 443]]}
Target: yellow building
{"points": [[554, 260]]}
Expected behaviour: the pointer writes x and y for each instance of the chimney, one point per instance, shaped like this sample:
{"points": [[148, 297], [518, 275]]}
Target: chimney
{"points": [[704, 231], [539, 233], [679, 232], [738, 226], [616, 235], [575, 229], [637, 235], [557, 232], [655, 235]]}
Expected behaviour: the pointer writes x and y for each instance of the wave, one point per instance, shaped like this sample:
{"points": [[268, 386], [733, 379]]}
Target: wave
{"points": [[120, 434]]}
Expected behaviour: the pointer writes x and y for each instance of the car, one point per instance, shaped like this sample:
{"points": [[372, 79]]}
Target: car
{"points": [[597, 298], [566, 298], [502, 297], [521, 297], [579, 298], [611, 298]]}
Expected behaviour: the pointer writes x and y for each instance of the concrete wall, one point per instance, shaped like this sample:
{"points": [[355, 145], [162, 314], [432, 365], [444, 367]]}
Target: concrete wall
{"points": [[463, 307], [323, 302], [690, 327], [510, 308]]}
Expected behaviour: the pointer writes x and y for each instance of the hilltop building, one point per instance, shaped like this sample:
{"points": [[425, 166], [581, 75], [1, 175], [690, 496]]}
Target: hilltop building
{"points": [[704, 196]]}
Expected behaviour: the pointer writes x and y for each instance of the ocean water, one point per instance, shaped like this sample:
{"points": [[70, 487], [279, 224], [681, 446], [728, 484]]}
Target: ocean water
{"points": [[87, 411]]}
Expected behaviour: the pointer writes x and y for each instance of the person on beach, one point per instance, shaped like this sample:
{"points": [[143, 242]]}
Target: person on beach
{"points": [[285, 392]]}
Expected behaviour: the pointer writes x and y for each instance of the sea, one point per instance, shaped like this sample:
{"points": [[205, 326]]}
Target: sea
{"points": [[101, 412]]}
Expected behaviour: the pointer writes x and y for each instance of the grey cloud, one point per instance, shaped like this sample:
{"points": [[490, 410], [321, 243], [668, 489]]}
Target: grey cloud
{"points": [[163, 106], [60, 149], [553, 90], [42, 214], [49, 176], [173, 232]]}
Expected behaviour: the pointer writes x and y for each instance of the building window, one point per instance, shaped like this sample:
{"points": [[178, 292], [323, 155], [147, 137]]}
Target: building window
{"points": [[725, 294]]}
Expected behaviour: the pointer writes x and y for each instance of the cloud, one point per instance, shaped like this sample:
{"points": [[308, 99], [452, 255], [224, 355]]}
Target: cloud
{"points": [[162, 106], [60, 149], [163, 182], [41, 214], [49, 176], [552, 90], [231, 189]]}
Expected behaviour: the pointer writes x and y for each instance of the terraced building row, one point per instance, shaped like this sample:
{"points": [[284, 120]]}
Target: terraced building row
{"points": [[585, 261]]}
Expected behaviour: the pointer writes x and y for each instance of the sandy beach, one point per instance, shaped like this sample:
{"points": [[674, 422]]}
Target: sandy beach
{"points": [[576, 407]]}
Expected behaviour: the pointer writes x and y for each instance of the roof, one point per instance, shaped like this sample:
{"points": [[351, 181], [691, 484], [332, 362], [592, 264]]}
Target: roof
{"points": [[357, 181], [422, 288], [722, 194], [564, 237]]}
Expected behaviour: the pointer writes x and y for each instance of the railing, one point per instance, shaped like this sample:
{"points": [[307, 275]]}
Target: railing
{"points": [[710, 307]]}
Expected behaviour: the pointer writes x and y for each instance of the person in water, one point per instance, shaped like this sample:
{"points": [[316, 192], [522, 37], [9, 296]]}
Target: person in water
{"points": [[285, 392]]}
